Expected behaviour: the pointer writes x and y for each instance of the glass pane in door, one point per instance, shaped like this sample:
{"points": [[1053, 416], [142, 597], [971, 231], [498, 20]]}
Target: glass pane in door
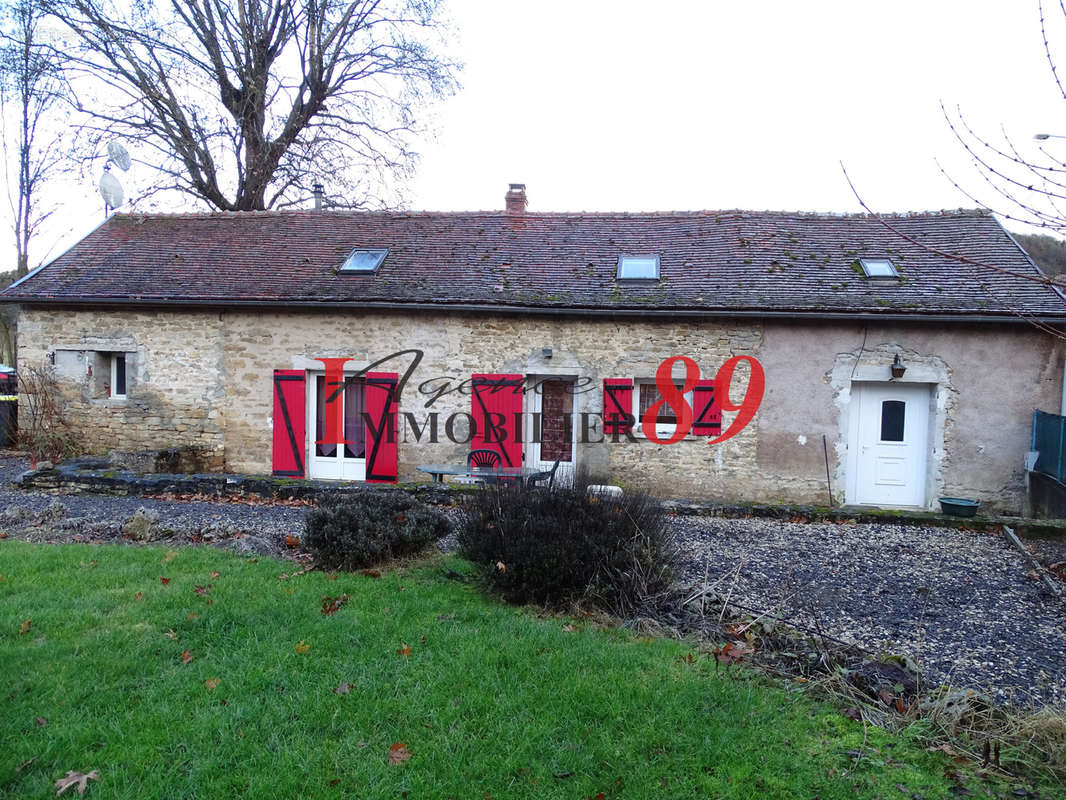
{"points": [[892, 417], [354, 421], [320, 418], [557, 410]]}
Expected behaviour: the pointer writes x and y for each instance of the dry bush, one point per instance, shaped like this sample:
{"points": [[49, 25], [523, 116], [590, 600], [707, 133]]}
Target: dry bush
{"points": [[44, 430]]}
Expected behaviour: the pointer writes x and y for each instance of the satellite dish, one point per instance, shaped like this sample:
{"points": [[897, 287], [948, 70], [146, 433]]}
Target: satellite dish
{"points": [[119, 156], [111, 190]]}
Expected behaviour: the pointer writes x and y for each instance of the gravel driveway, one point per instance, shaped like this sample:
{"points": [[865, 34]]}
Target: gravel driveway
{"points": [[959, 603], [262, 527]]}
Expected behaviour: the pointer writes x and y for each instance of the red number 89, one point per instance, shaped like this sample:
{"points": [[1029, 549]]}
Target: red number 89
{"points": [[752, 397]]}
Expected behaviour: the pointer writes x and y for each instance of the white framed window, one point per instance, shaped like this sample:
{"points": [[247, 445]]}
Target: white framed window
{"points": [[360, 260], [117, 383], [878, 268], [646, 394], [638, 268]]}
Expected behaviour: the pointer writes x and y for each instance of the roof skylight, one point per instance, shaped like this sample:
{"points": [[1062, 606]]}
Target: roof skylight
{"points": [[638, 267], [364, 260], [878, 268]]}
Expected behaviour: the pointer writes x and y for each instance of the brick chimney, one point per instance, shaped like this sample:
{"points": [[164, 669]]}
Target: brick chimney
{"points": [[515, 199]]}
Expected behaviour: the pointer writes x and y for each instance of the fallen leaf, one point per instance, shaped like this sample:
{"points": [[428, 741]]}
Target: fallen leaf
{"points": [[24, 628], [202, 590], [214, 574], [187, 656], [886, 696], [853, 713], [209, 601], [398, 753], [41, 721], [370, 573], [137, 597], [171, 635], [331, 605], [342, 688], [302, 647], [501, 567], [170, 556], [569, 629], [25, 764], [163, 580], [3, 534], [77, 779], [404, 650], [212, 684], [192, 615], [732, 652]]}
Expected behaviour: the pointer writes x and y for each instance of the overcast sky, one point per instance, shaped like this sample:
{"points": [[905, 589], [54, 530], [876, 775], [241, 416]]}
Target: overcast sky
{"points": [[610, 105], [717, 105]]}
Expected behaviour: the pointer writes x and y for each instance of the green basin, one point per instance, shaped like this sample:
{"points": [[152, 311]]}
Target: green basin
{"points": [[959, 507]]}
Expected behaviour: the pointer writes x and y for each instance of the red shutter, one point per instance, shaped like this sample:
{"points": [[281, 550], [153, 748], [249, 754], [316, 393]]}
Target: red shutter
{"points": [[290, 420], [617, 405], [496, 406], [382, 452], [706, 410]]}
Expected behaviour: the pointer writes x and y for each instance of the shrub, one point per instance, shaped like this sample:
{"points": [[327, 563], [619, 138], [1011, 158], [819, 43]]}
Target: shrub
{"points": [[44, 430], [561, 545], [350, 531]]}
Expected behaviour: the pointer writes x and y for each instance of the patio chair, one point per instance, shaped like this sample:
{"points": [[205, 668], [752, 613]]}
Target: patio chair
{"points": [[479, 458], [549, 475], [483, 458]]}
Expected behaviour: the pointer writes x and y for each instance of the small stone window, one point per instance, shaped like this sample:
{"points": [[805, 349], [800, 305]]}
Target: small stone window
{"points": [[117, 383]]}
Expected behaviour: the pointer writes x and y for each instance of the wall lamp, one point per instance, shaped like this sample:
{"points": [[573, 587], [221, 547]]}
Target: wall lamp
{"points": [[546, 352], [1040, 137], [897, 367]]}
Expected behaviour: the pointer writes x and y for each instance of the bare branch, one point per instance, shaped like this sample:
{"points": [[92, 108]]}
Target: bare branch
{"points": [[238, 94]]}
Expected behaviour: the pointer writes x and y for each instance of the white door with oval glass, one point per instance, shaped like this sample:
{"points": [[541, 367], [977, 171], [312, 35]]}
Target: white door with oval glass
{"points": [[887, 444]]}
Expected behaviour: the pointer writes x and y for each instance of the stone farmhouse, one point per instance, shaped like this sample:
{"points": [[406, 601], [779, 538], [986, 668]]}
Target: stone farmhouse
{"points": [[902, 357]]}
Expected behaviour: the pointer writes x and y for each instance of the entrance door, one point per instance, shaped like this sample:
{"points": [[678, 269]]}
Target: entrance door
{"points": [[887, 444], [553, 408], [346, 461]]}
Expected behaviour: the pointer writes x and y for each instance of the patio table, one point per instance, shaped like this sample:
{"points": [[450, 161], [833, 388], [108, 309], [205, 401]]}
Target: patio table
{"points": [[521, 474]]}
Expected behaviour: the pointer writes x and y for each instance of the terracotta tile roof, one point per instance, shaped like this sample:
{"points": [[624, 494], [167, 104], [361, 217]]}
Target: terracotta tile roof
{"points": [[730, 261]]}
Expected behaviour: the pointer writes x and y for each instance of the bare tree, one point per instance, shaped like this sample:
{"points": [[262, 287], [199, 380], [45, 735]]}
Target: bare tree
{"points": [[31, 138], [239, 103], [1024, 183]]}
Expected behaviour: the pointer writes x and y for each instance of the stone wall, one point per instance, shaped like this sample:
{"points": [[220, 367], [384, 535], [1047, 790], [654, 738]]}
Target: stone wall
{"points": [[205, 379]]}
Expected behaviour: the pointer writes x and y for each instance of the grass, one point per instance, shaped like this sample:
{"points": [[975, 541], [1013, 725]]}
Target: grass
{"points": [[491, 701]]}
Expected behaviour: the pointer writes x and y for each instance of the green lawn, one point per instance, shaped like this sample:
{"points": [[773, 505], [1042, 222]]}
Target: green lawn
{"points": [[491, 701]]}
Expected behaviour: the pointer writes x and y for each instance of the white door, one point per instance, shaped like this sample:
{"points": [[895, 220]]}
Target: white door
{"points": [[551, 429], [337, 461], [887, 444]]}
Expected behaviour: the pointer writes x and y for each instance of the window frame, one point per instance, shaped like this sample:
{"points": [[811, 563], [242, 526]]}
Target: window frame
{"points": [[380, 252], [662, 430], [865, 262], [112, 381], [653, 256]]}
